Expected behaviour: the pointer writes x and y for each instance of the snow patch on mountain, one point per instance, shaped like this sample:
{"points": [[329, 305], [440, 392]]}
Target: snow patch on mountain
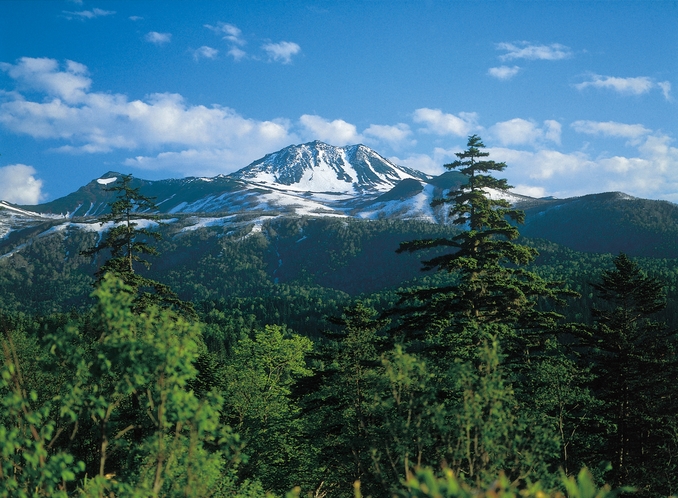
{"points": [[196, 223], [319, 167], [416, 207]]}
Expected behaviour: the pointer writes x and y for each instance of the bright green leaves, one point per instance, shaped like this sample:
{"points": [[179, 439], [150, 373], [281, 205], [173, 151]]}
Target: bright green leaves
{"points": [[123, 403], [28, 465], [259, 377], [425, 484], [261, 373]]}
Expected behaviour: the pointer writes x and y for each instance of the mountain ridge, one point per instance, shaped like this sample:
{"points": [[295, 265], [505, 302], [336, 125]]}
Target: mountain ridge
{"points": [[319, 180]]}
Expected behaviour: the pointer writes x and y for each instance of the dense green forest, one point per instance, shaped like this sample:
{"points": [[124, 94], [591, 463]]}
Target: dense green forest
{"points": [[314, 357]]}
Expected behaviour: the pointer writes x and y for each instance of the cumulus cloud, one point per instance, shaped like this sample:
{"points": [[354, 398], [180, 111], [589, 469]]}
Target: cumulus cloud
{"points": [[230, 32], [440, 123], [237, 54], [93, 122], [503, 72], [205, 52], [44, 75], [433, 164], [516, 132], [282, 51], [665, 87], [337, 132], [610, 129], [552, 130], [200, 162], [651, 172], [278, 52], [158, 38], [396, 136], [519, 131], [527, 50], [87, 14], [18, 184], [626, 86]]}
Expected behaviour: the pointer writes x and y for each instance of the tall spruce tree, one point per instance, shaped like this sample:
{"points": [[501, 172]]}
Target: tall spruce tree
{"points": [[634, 360], [489, 300], [128, 243], [489, 284]]}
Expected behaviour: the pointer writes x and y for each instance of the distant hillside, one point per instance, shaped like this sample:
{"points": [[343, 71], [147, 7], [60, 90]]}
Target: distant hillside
{"points": [[610, 222]]}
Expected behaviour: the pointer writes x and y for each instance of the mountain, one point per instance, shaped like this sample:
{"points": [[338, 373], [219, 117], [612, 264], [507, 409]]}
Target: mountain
{"points": [[607, 222], [319, 180], [314, 179], [319, 167]]}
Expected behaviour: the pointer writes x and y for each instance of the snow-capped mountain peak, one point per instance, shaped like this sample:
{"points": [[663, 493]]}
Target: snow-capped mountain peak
{"points": [[319, 167]]}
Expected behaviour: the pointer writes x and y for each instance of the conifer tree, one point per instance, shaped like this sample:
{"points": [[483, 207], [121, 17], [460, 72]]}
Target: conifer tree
{"points": [[128, 243], [489, 284], [633, 358]]}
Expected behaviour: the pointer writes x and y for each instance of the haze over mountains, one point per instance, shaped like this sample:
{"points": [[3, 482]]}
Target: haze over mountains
{"points": [[320, 180]]}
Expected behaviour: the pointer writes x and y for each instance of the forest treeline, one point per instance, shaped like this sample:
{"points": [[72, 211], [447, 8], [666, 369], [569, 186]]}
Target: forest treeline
{"points": [[512, 367]]}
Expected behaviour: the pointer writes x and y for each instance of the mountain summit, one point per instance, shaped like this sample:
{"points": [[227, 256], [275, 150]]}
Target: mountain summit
{"points": [[319, 167]]}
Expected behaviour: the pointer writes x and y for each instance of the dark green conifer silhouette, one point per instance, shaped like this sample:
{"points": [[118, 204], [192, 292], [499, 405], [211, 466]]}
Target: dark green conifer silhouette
{"points": [[490, 287], [634, 361], [128, 243]]}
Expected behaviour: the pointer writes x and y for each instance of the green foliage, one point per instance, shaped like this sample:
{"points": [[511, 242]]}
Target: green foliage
{"points": [[480, 377], [258, 378], [123, 239], [489, 284], [127, 244], [634, 361], [427, 484], [122, 405], [29, 466]]}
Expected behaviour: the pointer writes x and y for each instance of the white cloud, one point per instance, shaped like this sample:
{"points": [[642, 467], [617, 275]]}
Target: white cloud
{"points": [[158, 38], [626, 86], [18, 184], [282, 51], [87, 14], [529, 190], [230, 32], [396, 136], [665, 88], [503, 72], [201, 162], [135, 18], [445, 124], [93, 122], [233, 35], [337, 132], [45, 75], [552, 130], [516, 132], [279, 52], [610, 129], [205, 52], [652, 172], [526, 50], [237, 53], [432, 164], [519, 131]]}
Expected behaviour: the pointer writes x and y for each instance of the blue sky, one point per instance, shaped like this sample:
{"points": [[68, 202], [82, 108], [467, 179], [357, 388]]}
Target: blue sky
{"points": [[576, 96]]}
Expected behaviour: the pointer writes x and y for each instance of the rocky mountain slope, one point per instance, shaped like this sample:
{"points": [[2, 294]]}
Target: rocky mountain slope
{"points": [[319, 180]]}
